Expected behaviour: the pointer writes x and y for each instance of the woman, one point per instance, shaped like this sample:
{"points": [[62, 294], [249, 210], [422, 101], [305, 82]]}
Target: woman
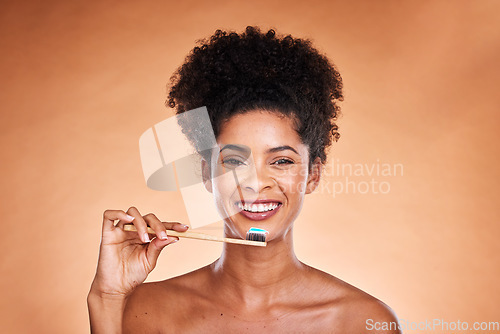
{"points": [[276, 97]]}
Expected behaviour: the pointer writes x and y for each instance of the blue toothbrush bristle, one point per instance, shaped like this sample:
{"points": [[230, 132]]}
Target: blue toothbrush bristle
{"points": [[256, 234]]}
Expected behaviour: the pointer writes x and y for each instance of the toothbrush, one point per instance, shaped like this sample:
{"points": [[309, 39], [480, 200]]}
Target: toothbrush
{"points": [[254, 237]]}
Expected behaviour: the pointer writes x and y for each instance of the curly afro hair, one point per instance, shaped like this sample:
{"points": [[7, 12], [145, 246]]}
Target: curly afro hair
{"points": [[233, 73]]}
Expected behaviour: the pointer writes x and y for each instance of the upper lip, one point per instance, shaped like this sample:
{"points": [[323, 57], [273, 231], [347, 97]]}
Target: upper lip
{"points": [[261, 201]]}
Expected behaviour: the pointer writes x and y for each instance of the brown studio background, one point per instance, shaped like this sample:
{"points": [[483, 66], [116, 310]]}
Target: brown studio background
{"points": [[82, 80]]}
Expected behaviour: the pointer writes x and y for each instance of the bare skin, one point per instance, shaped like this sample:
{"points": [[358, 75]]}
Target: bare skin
{"points": [[248, 289], [217, 300]]}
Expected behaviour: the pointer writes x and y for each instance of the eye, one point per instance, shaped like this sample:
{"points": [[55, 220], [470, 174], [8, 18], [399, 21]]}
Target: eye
{"points": [[283, 162], [232, 162]]}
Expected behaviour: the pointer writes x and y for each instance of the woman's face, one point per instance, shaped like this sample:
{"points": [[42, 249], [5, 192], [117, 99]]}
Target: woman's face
{"points": [[265, 173]]}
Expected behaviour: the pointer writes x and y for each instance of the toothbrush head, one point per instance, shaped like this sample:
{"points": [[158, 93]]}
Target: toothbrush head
{"points": [[257, 234]]}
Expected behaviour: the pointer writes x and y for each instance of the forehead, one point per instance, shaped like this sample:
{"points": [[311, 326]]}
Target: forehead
{"points": [[259, 126]]}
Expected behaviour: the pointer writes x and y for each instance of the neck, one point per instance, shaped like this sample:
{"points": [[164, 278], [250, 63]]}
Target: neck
{"points": [[256, 275]]}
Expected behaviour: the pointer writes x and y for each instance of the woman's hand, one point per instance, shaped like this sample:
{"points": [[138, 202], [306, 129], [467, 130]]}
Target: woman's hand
{"points": [[126, 258]]}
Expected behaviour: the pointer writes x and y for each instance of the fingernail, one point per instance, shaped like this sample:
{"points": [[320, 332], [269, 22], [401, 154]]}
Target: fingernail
{"points": [[163, 235], [146, 237], [130, 217], [186, 226], [174, 241]]}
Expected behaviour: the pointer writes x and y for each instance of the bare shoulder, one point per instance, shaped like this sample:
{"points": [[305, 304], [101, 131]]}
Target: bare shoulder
{"points": [[351, 310], [140, 308], [368, 314], [154, 306]]}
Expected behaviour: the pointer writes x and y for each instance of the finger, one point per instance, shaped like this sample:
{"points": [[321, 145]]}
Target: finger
{"points": [[140, 224], [156, 246], [110, 216], [156, 225], [176, 226]]}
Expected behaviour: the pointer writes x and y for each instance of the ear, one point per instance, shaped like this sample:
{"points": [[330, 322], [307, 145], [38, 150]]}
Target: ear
{"points": [[206, 175], [314, 176]]}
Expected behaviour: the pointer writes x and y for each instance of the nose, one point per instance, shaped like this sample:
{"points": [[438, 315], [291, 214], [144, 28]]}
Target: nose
{"points": [[257, 180]]}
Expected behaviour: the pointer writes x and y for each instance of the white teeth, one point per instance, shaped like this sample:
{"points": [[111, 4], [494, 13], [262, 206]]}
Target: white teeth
{"points": [[257, 207]]}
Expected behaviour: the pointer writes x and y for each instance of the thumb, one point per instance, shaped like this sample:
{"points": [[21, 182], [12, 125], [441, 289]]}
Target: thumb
{"points": [[155, 247]]}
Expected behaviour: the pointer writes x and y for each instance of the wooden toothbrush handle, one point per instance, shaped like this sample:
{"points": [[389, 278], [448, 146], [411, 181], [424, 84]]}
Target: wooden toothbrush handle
{"points": [[200, 236]]}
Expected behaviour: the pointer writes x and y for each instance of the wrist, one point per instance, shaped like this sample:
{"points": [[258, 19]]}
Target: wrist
{"points": [[97, 296], [105, 311], [105, 292]]}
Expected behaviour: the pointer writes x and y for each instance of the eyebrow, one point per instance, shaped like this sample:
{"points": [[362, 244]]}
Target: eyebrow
{"points": [[234, 147], [282, 148], [271, 150]]}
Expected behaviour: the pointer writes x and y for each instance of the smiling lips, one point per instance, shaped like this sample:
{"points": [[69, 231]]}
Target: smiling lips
{"points": [[258, 210]]}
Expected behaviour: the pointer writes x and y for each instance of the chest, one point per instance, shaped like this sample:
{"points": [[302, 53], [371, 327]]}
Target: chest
{"points": [[303, 321]]}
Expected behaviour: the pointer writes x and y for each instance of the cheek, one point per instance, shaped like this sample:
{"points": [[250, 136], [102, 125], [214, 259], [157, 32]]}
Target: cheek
{"points": [[225, 193], [293, 181], [223, 187], [221, 180]]}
